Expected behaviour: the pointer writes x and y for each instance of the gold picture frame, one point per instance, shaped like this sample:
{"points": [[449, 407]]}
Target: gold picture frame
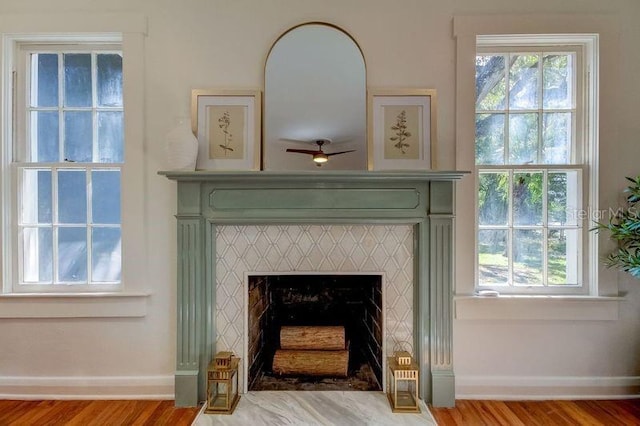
{"points": [[402, 129], [227, 124]]}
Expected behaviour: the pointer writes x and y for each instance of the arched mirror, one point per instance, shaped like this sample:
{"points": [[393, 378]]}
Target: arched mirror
{"points": [[315, 101]]}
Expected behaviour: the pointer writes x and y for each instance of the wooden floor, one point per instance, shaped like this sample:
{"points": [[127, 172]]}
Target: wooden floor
{"points": [[98, 413], [468, 413], [512, 413]]}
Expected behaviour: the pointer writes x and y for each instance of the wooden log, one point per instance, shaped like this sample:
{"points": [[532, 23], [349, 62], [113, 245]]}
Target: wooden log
{"points": [[311, 363], [329, 338]]}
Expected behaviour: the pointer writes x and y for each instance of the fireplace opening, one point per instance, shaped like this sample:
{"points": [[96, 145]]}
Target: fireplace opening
{"points": [[352, 303]]}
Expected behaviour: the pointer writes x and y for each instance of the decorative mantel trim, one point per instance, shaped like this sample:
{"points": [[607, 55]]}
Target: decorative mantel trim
{"points": [[350, 176], [424, 199]]}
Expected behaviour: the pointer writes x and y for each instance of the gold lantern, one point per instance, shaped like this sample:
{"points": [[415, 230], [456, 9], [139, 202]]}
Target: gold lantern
{"points": [[222, 384], [402, 383]]}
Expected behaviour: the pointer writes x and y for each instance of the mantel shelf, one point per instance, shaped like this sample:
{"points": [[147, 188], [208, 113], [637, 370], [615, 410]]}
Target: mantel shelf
{"points": [[324, 176]]}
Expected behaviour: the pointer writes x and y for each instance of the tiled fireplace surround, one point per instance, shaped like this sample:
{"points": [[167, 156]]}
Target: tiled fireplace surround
{"points": [[309, 249], [231, 225]]}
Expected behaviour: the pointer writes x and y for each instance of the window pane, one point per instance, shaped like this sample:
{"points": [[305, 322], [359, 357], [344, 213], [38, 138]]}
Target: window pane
{"points": [[523, 82], [557, 199], [562, 198], [105, 255], [36, 196], [109, 79], [527, 198], [72, 254], [527, 257], [492, 257], [490, 82], [37, 255], [110, 136], [556, 137], [493, 198], [523, 138], [557, 70], [489, 138], [78, 141], [106, 196], [44, 80], [44, 136], [563, 252], [77, 79], [72, 196]]}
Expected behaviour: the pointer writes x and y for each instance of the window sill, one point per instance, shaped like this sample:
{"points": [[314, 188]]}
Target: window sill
{"points": [[570, 308], [74, 305]]}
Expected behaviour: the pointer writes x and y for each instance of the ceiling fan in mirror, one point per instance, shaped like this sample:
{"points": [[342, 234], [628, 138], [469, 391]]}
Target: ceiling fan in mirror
{"points": [[319, 156]]}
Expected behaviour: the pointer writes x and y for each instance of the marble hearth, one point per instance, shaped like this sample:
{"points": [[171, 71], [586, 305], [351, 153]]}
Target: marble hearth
{"points": [[268, 408], [232, 224]]}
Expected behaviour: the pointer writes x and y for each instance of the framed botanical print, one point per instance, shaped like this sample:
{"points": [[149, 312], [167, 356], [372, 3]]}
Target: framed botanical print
{"points": [[227, 125], [402, 129]]}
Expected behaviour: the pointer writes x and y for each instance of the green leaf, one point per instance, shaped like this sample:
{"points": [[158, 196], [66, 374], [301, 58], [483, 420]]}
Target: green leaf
{"points": [[624, 228]]}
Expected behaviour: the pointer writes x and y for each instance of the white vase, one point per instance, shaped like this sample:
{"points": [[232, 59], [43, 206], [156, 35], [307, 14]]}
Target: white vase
{"points": [[182, 146]]}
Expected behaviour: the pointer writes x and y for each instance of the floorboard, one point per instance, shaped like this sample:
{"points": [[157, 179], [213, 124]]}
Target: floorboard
{"points": [[532, 413], [98, 413]]}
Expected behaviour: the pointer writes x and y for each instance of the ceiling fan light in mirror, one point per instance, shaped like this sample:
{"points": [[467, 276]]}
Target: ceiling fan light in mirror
{"points": [[318, 155], [315, 87], [320, 158]]}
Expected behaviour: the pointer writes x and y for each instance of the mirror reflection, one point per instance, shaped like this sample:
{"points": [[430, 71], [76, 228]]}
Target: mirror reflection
{"points": [[315, 101]]}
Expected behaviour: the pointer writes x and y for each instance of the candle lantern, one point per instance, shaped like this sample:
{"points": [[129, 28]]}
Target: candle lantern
{"points": [[222, 384], [402, 383]]}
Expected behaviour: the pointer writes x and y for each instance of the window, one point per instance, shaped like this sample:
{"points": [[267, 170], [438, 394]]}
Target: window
{"points": [[68, 157], [116, 283], [533, 146]]}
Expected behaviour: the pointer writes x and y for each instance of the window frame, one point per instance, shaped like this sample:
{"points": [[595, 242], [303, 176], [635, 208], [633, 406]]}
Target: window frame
{"points": [[582, 157], [22, 148], [132, 297]]}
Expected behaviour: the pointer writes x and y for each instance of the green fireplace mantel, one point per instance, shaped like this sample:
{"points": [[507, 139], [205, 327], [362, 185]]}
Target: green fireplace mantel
{"points": [[424, 199]]}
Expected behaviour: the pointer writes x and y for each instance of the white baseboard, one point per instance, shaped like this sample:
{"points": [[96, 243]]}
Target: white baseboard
{"points": [[467, 387], [551, 387], [100, 387]]}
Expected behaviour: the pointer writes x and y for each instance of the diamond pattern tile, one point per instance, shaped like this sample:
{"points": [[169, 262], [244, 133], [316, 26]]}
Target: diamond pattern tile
{"points": [[386, 249]]}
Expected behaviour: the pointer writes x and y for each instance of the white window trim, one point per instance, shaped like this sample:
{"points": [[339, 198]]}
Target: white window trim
{"points": [[131, 301], [468, 305], [530, 307]]}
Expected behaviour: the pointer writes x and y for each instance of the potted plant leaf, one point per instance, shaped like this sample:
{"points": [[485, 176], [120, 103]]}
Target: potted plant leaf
{"points": [[624, 228]]}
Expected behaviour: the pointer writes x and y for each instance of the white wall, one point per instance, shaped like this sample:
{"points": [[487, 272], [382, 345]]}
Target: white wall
{"points": [[223, 43]]}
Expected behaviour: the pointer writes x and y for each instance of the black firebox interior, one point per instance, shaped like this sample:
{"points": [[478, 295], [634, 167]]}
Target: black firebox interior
{"points": [[352, 301]]}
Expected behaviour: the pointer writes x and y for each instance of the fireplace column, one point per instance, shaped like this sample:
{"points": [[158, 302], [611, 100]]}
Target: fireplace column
{"points": [[195, 328], [433, 296], [441, 226]]}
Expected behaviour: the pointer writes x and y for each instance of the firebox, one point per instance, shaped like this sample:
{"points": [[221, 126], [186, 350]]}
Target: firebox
{"points": [[351, 302]]}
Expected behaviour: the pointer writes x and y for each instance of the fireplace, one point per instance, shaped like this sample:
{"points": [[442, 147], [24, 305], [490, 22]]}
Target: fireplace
{"points": [[233, 225], [245, 251], [349, 305]]}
